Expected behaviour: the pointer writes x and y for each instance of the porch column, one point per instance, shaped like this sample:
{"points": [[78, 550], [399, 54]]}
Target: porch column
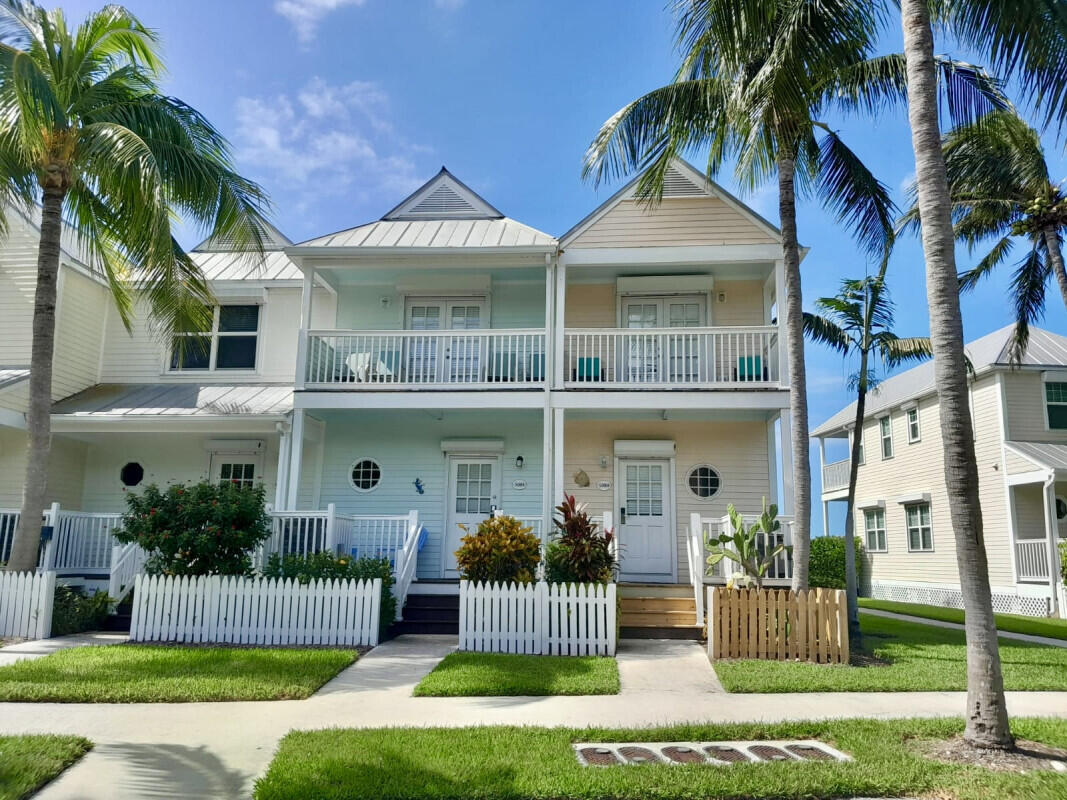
{"points": [[779, 301], [560, 322], [825, 517], [305, 325], [549, 370], [296, 447], [557, 453], [281, 486], [1049, 496], [786, 443], [548, 492], [772, 463]]}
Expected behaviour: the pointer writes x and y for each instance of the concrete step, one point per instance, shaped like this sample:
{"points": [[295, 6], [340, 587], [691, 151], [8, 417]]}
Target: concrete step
{"points": [[424, 626], [657, 619]]}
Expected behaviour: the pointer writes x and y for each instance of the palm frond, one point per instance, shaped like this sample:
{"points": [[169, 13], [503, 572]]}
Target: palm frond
{"points": [[825, 331], [896, 351], [1028, 292], [971, 278]]}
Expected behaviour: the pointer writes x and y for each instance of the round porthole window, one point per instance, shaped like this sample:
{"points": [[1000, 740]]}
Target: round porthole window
{"points": [[131, 474], [704, 481], [366, 475], [1061, 509]]}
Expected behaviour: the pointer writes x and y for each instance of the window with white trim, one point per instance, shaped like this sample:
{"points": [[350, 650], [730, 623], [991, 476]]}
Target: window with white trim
{"points": [[1056, 405], [920, 531], [874, 528], [885, 427], [229, 344], [241, 474], [365, 475], [914, 433], [704, 481]]}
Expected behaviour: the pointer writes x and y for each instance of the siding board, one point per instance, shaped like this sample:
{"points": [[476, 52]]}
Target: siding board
{"points": [[676, 221]]}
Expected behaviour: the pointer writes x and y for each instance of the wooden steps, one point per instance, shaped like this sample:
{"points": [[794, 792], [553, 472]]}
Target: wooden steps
{"points": [[658, 611]]}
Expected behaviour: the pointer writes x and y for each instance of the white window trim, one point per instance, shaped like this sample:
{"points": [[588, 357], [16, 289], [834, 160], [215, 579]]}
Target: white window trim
{"points": [[918, 424], [621, 300], [908, 528], [716, 494], [1046, 378], [481, 299], [215, 333], [867, 531], [882, 437], [381, 474]]}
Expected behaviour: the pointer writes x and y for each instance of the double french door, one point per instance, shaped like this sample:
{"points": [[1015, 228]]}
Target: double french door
{"points": [[659, 357], [445, 359]]}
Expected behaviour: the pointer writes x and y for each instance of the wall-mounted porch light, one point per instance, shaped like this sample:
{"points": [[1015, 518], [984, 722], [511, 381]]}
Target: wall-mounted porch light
{"points": [[520, 462]]}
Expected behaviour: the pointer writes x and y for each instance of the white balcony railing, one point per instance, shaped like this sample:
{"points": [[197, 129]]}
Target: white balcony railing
{"points": [[1031, 560], [835, 475], [375, 360], [649, 358]]}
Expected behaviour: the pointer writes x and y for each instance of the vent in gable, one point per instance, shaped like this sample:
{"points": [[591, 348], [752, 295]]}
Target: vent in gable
{"points": [[675, 184], [442, 200]]}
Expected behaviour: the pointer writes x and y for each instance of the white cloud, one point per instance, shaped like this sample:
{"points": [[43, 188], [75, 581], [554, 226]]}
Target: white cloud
{"points": [[325, 141], [305, 15]]}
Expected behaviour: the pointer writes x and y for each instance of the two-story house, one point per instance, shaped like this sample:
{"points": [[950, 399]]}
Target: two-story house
{"points": [[902, 512], [447, 362]]}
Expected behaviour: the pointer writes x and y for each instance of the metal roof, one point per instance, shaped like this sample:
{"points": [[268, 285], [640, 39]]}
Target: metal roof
{"points": [[273, 239], [177, 400], [1043, 454], [234, 266], [1045, 349], [9, 376], [460, 234]]}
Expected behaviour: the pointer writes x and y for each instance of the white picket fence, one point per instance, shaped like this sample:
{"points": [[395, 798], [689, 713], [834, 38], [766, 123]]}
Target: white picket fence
{"points": [[538, 618], [232, 610], [26, 604]]}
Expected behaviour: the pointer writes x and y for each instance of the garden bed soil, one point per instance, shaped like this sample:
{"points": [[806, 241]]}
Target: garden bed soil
{"points": [[1026, 757]]}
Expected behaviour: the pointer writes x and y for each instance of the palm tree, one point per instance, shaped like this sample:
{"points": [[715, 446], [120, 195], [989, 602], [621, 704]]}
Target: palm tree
{"points": [[85, 130], [858, 320], [752, 87], [1027, 39], [1000, 189]]}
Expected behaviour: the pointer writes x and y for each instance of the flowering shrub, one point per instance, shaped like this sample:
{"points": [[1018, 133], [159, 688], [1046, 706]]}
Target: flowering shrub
{"points": [[502, 549], [582, 552], [327, 566], [202, 529]]}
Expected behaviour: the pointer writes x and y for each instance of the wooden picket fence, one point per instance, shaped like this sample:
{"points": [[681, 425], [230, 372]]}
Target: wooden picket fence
{"points": [[778, 624], [265, 611], [538, 618], [26, 600]]}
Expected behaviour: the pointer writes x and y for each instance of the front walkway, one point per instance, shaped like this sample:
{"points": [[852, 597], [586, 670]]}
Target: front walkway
{"points": [[215, 750], [39, 648]]}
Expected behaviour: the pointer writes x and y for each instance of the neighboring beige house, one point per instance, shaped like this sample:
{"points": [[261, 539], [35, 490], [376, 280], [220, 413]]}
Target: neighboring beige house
{"points": [[902, 512], [439, 364]]}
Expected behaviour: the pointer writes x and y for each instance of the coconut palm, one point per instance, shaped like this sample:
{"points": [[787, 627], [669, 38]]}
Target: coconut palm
{"points": [[1000, 188], [754, 84], [1026, 39], [85, 131], [858, 320]]}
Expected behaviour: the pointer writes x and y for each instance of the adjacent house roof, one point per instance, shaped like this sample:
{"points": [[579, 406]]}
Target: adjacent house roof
{"points": [[9, 376], [273, 239], [1043, 454], [234, 266], [177, 400], [1045, 349], [443, 213]]}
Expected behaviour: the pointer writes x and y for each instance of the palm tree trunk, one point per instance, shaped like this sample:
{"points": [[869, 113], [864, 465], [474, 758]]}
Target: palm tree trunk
{"points": [[1055, 257], [793, 307], [38, 417], [851, 583], [987, 716]]}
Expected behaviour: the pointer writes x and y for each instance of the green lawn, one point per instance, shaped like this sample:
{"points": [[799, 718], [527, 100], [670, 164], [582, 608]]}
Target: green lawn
{"points": [[170, 674], [497, 763], [29, 762], [1013, 623], [921, 657], [496, 674]]}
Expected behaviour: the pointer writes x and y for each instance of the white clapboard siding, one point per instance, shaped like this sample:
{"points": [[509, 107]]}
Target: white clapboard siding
{"points": [[26, 604], [262, 611], [537, 619]]}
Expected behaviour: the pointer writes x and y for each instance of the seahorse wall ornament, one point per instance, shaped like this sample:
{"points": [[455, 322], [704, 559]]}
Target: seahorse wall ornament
{"points": [[419, 487]]}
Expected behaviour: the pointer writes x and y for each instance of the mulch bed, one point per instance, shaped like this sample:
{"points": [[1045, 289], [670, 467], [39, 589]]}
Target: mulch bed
{"points": [[1026, 757]]}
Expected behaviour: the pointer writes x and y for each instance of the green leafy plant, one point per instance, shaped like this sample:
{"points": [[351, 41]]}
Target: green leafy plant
{"points": [[743, 545], [1063, 561], [327, 566], [74, 611], [501, 550], [582, 553], [202, 529], [827, 565]]}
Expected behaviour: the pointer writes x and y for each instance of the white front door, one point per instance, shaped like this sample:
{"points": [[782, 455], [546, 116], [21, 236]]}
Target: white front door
{"points": [[646, 535], [473, 495]]}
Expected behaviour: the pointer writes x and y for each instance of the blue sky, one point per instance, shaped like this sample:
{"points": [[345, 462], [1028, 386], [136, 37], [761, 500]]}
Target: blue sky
{"points": [[341, 107]]}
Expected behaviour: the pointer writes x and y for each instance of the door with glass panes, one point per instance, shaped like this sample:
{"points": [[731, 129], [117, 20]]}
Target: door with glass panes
{"points": [[646, 540], [662, 357], [473, 495], [445, 359]]}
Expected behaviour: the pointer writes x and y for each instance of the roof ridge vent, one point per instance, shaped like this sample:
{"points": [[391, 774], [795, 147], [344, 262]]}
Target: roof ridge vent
{"points": [[443, 197], [443, 200], [675, 184]]}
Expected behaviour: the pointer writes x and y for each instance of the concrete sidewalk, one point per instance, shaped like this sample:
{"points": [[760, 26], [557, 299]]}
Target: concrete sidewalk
{"points": [[215, 750], [955, 626], [45, 647]]}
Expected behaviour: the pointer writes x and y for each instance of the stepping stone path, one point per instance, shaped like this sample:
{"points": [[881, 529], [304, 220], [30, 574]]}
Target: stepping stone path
{"points": [[610, 754]]}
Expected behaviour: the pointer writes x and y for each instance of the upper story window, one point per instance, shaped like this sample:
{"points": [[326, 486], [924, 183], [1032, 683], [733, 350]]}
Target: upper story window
{"points": [[1056, 405], [852, 434], [874, 528], [885, 427], [230, 343], [914, 433], [920, 531]]}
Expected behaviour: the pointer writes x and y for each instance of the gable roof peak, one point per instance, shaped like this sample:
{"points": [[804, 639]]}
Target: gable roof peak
{"points": [[444, 196]]}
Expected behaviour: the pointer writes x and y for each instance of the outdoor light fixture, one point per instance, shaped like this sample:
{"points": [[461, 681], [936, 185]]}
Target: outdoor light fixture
{"points": [[519, 462]]}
